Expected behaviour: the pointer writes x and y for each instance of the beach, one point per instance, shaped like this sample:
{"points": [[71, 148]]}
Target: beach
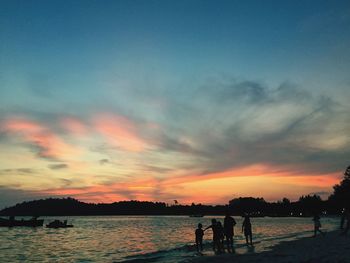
{"points": [[329, 248]]}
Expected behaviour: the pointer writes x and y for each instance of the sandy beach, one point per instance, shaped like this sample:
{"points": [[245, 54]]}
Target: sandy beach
{"points": [[330, 248]]}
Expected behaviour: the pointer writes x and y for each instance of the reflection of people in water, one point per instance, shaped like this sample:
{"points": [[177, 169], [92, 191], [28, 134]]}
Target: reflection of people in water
{"points": [[199, 237], [317, 225], [214, 228], [229, 224], [247, 229]]}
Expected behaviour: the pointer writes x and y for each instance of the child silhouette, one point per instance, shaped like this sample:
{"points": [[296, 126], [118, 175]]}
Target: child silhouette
{"points": [[199, 237]]}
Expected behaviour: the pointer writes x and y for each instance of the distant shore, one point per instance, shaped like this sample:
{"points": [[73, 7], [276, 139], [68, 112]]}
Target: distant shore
{"points": [[330, 248]]}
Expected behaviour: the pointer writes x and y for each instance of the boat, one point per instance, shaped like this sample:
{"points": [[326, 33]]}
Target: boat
{"points": [[12, 222], [58, 224], [196, 215]]}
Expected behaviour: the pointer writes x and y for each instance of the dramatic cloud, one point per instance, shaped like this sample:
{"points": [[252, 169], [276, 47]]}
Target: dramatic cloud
{"points": [[230, 130], [249, 123]]}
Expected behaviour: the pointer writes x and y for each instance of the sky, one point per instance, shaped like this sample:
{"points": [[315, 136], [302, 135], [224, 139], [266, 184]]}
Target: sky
{"points": [[195, 101]]}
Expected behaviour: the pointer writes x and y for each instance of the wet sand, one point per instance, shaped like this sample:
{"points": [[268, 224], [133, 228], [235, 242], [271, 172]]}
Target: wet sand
{"points": [[330, 248]]}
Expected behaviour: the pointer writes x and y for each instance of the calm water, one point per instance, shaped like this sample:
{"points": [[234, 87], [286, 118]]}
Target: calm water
{"points": [[137, 238]]}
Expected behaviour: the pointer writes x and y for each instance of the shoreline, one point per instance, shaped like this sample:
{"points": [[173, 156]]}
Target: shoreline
{"points": [[329, 248]]}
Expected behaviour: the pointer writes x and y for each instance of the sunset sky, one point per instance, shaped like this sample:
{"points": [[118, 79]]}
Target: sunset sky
{"points": [[198, 101]]}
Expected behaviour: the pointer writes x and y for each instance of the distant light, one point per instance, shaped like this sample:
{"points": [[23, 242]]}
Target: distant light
{"points": [[301, 214]]}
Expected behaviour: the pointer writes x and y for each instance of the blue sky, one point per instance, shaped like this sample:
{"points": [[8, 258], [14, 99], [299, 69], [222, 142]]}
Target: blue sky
{"points": [[200, 87]]}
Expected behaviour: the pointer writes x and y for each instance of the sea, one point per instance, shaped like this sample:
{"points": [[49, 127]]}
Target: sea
{"points": [[141, 238]]}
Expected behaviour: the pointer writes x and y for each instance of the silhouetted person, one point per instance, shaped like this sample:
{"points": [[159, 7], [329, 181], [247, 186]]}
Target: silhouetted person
{"points": [[229, 224], [199, 237], [343, 217], [247, 229], [12, 220], [317, 225], [34, 218], [220, 240], [347, 218], [214, 228]]}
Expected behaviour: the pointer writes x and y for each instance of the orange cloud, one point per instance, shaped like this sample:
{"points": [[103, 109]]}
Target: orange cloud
{"points": [[21, 125], [49, 144], [73, 125], [120, 131], [137, 190], [258, 180], [285, 174]]}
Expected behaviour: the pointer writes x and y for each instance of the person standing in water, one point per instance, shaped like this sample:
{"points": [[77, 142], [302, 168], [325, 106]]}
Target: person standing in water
{"points": [[220, 237], [247, 229], [214, 228], [199, 237], [229, 224], [342, 220], [317, 225], [347, 218]]}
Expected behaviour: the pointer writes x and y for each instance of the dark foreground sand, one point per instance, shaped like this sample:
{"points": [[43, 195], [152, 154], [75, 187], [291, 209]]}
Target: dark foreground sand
{"points": [[331, 248]]}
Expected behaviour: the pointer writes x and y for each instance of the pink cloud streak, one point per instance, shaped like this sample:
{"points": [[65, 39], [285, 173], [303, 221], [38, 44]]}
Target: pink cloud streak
{"points": [[120, 132], [49, 144]]}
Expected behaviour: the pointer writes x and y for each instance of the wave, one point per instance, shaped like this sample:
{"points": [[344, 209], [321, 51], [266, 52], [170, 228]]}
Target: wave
{"points": [[170, 255]]}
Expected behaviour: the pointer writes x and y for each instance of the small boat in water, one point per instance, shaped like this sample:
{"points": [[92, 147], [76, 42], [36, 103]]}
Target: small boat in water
{"points": [[196, 215], [58, 224], [12, 222]]}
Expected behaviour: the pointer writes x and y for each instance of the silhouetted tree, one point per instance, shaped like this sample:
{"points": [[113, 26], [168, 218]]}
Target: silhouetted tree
{"points": [[285, 201], [310, 204], [341, 195], [251, 205]]}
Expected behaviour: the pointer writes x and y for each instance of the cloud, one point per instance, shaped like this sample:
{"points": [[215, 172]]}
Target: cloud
{"points": [[120, 132], [167, 143], [17, 171], [58, 166], [103, 161], [235, 124], [73, 125], [38, 137], [220, 131], [248, 91]]}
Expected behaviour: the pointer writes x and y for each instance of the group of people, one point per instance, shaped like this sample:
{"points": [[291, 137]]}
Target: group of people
{"points": [[222, 233], [344, 223], [225, 232]]}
